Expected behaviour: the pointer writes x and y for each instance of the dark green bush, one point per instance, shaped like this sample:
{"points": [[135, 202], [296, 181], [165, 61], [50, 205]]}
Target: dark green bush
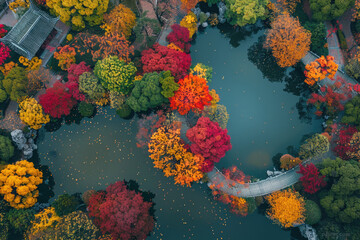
{"points": [[342, 40], [357, 26], [86, 109], [20, 219], [125, 112], [65, 204], [312, 212], [318, 34], [6, 148]]}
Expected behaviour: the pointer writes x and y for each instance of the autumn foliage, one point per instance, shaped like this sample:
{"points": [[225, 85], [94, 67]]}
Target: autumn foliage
{"points": [[160, 58], [311, 180], [187, 5], [169, 154], [287, 161], [343, 147], [320, 69], [288, 40], [3, 31], [120, 20], [74, 72], [31, 113], [208, 140], [4, 53], [121, 212], [66, 56], [193, 94], [18, 184], [180, 37], [287, 208], [57, 101], [101, 47]]}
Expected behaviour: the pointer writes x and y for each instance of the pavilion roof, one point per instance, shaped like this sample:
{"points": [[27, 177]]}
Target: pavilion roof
{"points": [[30, 32]]}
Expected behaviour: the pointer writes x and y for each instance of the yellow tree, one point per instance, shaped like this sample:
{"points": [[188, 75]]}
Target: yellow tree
{"points": [[288, 40], [120, 20], [190, 22], [287, 208], [18, 184], [44, 219], [31, 113], [169, 154]]}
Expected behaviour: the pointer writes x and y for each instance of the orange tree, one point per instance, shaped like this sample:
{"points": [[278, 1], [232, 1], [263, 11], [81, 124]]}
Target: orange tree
{"points": [[287, 208], [320, 69], [287, 161], [18, 184], [101, 47], [288, 40], [65, 56], [193, 94], [120, 20], [170, 155]]}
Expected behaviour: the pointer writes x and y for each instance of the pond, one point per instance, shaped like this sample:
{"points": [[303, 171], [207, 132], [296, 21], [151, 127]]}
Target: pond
{"points": [[263, 121]]}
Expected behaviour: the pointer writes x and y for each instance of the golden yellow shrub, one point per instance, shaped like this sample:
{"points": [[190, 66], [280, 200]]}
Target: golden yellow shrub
{"points": [[31, 113], [18, 184]]}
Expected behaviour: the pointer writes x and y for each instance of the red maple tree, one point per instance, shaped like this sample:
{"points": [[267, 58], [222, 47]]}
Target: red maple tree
{"points": [[121, 212], [343, 142], [180, 37], [311, 180], [57, 101], [74, 72], [208, 140], [193, 94], [5, 53], [160, 58]]}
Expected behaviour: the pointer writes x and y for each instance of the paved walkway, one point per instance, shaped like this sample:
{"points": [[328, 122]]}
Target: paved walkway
{"points": [[334, 46], [345, 21]]}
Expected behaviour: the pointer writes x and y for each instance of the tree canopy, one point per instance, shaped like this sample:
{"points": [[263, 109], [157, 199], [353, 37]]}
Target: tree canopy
{"points": [[323, 10], [242, 12]]}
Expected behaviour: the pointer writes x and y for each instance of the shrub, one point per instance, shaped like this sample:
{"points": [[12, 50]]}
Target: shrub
{"points": [[125, 112], [15, 83], [65, 204], [20, 219], [314, 146], [6, 148], [86, 109], [342, 40], [312, 212]]}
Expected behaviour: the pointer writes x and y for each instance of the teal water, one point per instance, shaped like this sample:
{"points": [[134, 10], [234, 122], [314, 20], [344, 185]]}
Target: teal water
{"points": [[263, 121]]}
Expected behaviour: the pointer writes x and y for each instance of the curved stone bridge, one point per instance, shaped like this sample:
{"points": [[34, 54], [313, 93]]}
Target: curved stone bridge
{"points": [[260, 188]]}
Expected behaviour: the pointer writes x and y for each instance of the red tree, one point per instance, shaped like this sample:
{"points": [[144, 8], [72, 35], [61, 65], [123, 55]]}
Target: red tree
{"points": [[57, 101], [121, 212], [180, 37], [3, 31], [160, 58], [74, 72], [343, 143], [192, 94], [208, 140], [5, 53], [311, 180]]}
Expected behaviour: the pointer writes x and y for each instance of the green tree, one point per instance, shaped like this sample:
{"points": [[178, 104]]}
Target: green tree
{"points": [[146, 30], [125, 111], [3, 94], [352, 112], [15, 83], [314, 146], [65, 204], [86, 109], [323, 10], [353, 68], [341, 201], [219, 115], [168, 84], [20, 219], [146, 93], [115, 74], [312, 212], [90, 85], [6, 148], [242, 12], [4, 227], [318, 37]]}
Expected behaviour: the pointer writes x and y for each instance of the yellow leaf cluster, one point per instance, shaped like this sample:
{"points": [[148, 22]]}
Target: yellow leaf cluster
{"points": [[19, 3], [44, 219], [286, 207], [189, 21], [138, 78], [79, 11], [32, 64], [173, 46], [31, 113], [18, 184], [69, 37], [199, 71], [7, 67], [120, 20], [169, 154], [103, 101]]}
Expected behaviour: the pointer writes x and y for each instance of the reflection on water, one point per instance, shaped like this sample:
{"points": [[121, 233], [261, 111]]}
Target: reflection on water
{"points": [[263, 121]]}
